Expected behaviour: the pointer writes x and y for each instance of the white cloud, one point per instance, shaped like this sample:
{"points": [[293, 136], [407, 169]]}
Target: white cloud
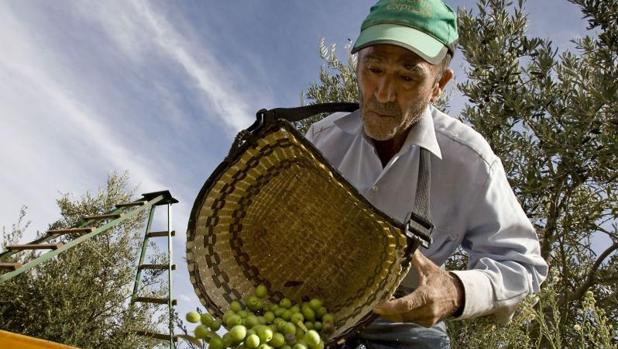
{"points": [[185, 298], [51, 139], [62, 132], [138, 29]]}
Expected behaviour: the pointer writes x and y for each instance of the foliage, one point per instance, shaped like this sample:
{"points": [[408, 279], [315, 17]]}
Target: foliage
{"points": [[551, 116], [539, 313], [337, 82], [81, 296]]}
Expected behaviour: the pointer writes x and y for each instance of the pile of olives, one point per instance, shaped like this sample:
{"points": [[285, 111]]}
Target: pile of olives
{"points": [[258, 324]]}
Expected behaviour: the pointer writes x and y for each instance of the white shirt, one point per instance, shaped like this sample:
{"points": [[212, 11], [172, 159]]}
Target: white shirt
{"points": [[472, 203]]}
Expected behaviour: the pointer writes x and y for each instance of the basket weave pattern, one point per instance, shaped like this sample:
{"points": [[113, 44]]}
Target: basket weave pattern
{"points": [[278, 215]]}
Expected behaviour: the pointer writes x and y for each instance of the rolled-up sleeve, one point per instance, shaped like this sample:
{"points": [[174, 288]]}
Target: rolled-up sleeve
{"points": [[504, 263]]}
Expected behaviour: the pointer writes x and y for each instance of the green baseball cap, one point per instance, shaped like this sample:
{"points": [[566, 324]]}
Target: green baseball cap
{"points": [[426, 27]]}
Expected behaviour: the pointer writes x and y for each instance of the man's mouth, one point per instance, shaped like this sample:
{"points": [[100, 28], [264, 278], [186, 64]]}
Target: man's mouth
{"points": [[383, 115]]}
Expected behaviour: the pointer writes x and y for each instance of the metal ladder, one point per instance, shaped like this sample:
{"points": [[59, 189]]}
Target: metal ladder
{"points": [[86, 230], [169, 267]]}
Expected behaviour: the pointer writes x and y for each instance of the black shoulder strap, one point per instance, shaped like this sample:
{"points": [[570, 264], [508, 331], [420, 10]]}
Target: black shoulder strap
{"points": [[266, 117], [304, 112], [419, 220]]}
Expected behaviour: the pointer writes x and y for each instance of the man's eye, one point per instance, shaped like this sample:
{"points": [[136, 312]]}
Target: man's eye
{"points": [[375, 70], [407, 78]]}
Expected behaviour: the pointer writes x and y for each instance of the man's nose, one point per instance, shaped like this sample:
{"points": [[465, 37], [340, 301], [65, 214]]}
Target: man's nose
{"points": [[386, 90]]}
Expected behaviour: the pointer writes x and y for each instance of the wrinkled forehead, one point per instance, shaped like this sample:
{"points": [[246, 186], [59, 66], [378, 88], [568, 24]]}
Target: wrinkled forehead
{"points": [[391, 54]]}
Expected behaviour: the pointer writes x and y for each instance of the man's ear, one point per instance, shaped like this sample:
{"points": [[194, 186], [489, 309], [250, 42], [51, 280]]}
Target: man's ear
{"points": [[447, 75]]}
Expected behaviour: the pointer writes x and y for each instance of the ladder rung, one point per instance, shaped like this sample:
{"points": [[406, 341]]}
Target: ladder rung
{"points": [[70, 231], [154, 300], [161, 336], [155, 234], [10, 266], [104, 216], [157, 266], [34, 247], [130, 204]]}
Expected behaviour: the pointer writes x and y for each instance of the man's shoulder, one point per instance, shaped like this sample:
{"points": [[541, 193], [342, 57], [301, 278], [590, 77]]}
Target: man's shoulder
{"points": [[326, 126], [328, 121], [453, 134]]}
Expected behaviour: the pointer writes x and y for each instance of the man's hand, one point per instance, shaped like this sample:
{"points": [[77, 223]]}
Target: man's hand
{"points": [[439, 295]]}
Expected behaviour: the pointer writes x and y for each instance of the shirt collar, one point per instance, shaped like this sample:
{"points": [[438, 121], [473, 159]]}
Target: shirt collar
{"points": [[422, 133]]}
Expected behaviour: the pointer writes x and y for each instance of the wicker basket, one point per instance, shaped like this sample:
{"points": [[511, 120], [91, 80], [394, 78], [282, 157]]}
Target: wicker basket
{"points": [[276, 213]]}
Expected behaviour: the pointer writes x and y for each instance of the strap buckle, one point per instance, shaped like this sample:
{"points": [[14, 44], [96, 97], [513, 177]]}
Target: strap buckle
{"points": [[418, 228]]}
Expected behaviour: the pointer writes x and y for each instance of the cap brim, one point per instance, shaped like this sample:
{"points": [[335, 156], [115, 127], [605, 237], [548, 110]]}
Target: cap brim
{"points": [[430, 49]]}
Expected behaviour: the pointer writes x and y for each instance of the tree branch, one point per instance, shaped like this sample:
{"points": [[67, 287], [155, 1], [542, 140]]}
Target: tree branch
{"points": [[578, 294]]}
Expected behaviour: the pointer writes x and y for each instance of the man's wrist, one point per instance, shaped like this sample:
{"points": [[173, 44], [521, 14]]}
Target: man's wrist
{"points": [[461, 295]]}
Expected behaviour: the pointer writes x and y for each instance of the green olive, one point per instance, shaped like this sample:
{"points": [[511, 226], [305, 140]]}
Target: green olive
{"points": [[315, 304], [289, 328], [202, 332], [308, 313], [252, 341], [269, 317], [279, 311], [287, 315], [193, 317], [261, 291], [238, 333], [297, 317], [290, 338], [215, 325], [236, 306], [233, 320], [216, 343], [265, 334], [206, 319], [285, 303], [251, 320], [328, 318], [254, 303], [312, 338], [227, 315], [227, 340], [278, 340]]}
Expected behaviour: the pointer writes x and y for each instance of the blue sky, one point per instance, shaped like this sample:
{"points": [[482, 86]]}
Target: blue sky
{"points": [[159, 88]]}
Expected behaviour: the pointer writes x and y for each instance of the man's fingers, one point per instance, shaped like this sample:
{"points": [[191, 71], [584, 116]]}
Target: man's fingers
{"points": [[423, 316], [424, 267], [417, 257], [393, 317], [400, 305]]}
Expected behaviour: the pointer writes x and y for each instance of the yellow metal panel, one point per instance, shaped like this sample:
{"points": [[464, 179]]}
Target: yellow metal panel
{"points": [[10, 340]]}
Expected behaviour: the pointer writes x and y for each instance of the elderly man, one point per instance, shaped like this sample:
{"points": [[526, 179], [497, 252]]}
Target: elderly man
{"points": [[404, 49]]}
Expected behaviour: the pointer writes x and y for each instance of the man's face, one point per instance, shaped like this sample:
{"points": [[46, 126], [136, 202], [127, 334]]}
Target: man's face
{"points": [[395, 87]]}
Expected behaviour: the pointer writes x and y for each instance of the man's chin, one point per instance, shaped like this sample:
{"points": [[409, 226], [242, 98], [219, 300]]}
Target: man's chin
{"points": [[378, 135]]}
